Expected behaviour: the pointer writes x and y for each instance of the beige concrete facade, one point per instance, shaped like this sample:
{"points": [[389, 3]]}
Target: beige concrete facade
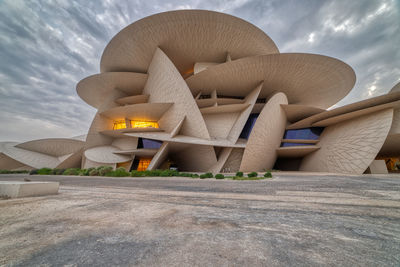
{"points": [[204, 91]]}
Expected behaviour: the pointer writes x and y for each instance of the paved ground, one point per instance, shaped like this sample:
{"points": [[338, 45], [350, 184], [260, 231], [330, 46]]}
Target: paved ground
{"points": [[286, 221]]}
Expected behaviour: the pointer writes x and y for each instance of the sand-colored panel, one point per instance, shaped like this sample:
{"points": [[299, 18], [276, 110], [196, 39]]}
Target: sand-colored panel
{"points": [[260, 152], [105, 154], [241, 121], [391, 147], [125, 143], [298, 112], [72, 161], [306, 79], [192, 157], [395, 88], [355, 114], [94, 137], [187, 37], [165, 84], [395, 129], [159, 157], [142, 152], [93, 88], [296, 151], [189, 140], [224, 108], [142, 112], [222, 158], [220, 124], [378, 167], [233, 162], [30, 158], [350, 146], [358, 106], [200, 66], [53, 146], [7, 163], [135, 99]]}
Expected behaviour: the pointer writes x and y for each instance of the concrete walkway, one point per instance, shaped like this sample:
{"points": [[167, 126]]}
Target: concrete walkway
{"points": [[290, 220]]}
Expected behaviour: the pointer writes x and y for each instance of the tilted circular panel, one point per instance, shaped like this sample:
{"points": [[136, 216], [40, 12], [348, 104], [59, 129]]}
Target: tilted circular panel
{"points": [[187, 37], [94, 89], [350, 146], [265, 137], [395, 88], [104, 154], [306, 79]]}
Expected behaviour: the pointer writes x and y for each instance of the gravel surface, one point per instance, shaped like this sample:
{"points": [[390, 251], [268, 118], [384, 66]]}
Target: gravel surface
{"points": [[290, 220]]}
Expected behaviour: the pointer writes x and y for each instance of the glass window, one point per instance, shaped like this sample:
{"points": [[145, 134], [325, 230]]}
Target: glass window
{"points": [[119, 125], [312, 133]]}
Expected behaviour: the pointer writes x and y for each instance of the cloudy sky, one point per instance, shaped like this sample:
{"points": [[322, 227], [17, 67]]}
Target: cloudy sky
{"points": [[47, 46]]}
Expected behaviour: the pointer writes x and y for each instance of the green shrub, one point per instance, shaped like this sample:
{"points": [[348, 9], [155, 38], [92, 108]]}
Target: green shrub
{"points": [[252, 174], [137, 174], [45, 171], [93, 172], [103, 170], [152, 173], [119, 172], [58, 171], [239, 174], [219, 176], [166, 173], [71, 171], [11, 172], [33, 172], [268, 175], [206, 175], [185, 174], [195, 175], [247, 178]]}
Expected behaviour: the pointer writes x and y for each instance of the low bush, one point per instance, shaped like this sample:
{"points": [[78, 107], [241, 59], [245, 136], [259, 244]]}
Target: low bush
{"points": [[167, 173], [33, 172], [71, 171], [57, 171], [45, 171], [239, 174], [12, 172], [268, 175], [137, 174], [248, 178], [219, 176], [252, 174], [119, 172], [195, 175], [206, 175], [94, 172], [104, 170]]}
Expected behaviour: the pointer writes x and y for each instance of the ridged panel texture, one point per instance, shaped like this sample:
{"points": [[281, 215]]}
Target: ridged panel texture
{"points": [[260, 152], [165, 84], [350, 146]]}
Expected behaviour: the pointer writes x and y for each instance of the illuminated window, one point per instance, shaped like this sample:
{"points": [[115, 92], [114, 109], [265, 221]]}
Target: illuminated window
{"points": [[144, 124], [119, 125], [143, 164]]}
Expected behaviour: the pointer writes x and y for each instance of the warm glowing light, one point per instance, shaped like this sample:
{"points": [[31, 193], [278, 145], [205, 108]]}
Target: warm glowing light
{"points": [[119, 125], [143, 164], [144, 124]]}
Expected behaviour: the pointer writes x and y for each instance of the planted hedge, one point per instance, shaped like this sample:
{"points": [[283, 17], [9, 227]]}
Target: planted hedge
{"points": [[121, 172]]}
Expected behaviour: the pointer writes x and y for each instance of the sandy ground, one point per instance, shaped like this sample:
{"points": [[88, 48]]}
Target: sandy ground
{"points": [[289, 220]]}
